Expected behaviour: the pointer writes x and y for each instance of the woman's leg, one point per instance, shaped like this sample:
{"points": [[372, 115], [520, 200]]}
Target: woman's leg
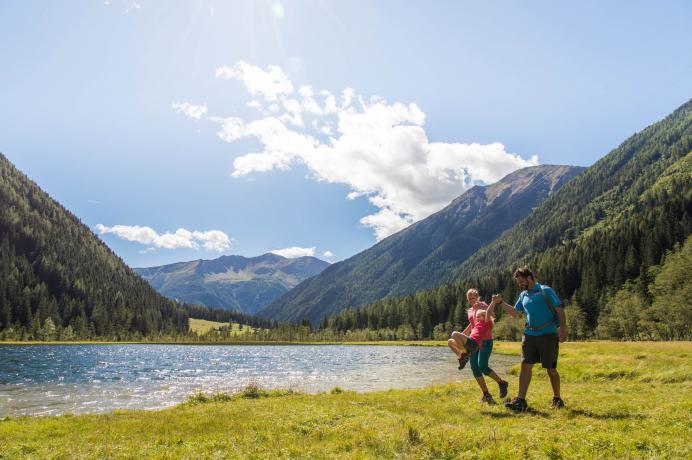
{"points": [[485, 358], [475, 369]]}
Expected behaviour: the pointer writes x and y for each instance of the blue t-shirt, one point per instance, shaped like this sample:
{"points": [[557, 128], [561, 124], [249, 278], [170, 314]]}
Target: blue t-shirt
{"points": [[537, 312]]}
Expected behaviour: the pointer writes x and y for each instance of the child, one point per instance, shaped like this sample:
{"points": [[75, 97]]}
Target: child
{"points": [[484, 323], [459, 338], [477, 342]]}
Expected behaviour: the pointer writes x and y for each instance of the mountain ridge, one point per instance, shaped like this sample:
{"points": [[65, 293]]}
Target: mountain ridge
{"points": [[424, 253], [232, 282]]}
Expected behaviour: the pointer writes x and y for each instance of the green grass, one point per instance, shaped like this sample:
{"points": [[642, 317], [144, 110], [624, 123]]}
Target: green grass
{"points": [[624, 400], [200, 326]]}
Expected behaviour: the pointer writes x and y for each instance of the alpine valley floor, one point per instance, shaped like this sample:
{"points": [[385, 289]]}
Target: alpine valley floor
{"points": [[624, 400]]}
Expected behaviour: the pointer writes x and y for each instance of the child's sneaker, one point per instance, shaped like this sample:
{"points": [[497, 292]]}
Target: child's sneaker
{"points": [[463, 359], [557, 403], [487, 398], [518, 405], [503, 388]]}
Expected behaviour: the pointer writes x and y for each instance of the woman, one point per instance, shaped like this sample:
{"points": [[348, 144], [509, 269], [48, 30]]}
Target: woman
{"points": [[480, 356]]}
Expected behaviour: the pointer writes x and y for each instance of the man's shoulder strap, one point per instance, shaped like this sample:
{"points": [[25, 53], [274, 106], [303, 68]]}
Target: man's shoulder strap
{"points": [[548, 302]]}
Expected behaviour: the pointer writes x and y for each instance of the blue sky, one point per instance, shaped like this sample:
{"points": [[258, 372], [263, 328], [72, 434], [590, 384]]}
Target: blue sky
{"points": [[135, 115]]}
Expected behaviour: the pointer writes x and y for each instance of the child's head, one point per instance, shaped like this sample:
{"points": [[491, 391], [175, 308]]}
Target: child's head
{"points": [[480, 315], [472, 296]]}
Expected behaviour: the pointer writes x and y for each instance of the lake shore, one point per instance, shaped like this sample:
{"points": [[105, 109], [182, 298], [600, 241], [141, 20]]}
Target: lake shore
{"points": [[612, 391]]}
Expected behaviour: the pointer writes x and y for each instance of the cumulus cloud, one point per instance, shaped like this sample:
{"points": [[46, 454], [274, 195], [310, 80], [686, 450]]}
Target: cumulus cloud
{"points": [[269, 84], [213, 240], [294, 252], [380, 150], [195, 112]]}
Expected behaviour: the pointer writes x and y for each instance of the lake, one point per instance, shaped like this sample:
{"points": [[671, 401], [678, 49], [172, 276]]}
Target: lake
{"points": [[58, 379]]}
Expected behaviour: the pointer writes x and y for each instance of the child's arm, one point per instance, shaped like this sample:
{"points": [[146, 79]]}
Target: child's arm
{"points": [[491, 311]]}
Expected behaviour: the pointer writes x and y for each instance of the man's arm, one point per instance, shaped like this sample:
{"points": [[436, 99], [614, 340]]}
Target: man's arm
{"points": [[497, 298], [562, 330]]}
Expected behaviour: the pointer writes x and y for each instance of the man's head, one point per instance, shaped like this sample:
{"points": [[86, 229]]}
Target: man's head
{"points": [[524, 277]]}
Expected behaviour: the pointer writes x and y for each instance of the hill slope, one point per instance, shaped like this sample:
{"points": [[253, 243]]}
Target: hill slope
{"points": [[611, 223], [427, 252], [232, 282], [616, 239], [56, 275]]}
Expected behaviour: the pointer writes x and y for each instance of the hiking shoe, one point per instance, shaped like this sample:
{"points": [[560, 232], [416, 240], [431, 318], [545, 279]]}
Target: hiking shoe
{"points": [[463, 359], [503, 388], [487, 398], [557, 403], [517, 404]]}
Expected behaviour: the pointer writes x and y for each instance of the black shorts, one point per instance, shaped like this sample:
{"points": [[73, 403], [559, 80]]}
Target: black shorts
{"points": [[540, 349], [470, 345]]}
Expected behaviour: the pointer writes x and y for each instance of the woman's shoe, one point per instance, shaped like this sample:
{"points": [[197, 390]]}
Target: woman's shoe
{"points": [[487, 398], [503, 388]]}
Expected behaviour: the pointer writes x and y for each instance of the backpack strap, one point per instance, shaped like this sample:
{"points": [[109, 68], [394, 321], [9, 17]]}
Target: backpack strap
{"points": [[554, 321]]}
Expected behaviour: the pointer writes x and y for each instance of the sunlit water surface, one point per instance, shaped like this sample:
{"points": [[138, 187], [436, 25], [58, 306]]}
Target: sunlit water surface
{"points": [[58, 379]]}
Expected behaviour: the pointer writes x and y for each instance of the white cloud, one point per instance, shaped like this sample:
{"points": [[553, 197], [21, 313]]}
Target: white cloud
{"points": [[193, 111], [147, 250], [294, 252], [214, 240], [380, 150], [328, 254], [133, 6], [269, 84]]}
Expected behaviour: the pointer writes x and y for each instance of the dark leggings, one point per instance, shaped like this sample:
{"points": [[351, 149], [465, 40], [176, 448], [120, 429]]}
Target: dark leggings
{"points": [[479, 359]]}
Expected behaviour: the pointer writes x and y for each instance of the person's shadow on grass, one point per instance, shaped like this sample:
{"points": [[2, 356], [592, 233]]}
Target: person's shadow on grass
{"points": [[569, 412]]}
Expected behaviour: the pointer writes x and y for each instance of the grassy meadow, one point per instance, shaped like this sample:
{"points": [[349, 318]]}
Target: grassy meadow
{"points": [[624, 400], [202, 326]]}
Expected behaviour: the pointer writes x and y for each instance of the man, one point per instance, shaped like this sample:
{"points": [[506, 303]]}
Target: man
{"points": [[545, 328]]}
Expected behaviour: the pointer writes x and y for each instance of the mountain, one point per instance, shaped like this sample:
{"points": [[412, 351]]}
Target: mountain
{"points": [[427, 252], [57, 277], [615, 239], [232, 282], [611, 223]]}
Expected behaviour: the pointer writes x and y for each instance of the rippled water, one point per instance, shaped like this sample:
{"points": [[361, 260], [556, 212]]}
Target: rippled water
{"points": [[56, 379]]}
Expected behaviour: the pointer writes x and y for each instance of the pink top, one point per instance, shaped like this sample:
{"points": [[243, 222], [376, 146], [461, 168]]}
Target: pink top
{"points": [[484, 329]]}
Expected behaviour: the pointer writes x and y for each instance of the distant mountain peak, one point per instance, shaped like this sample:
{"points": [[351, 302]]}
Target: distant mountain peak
{"points": [[232, 282]]}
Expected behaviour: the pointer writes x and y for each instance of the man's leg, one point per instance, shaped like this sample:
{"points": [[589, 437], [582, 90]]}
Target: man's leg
{"points": [[554, 381], [524, 379]]}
